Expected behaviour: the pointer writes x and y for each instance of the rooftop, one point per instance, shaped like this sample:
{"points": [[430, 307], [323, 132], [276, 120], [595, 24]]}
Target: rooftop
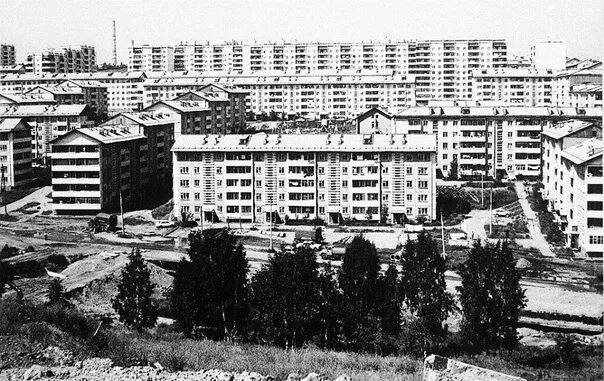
{"points": [[96, 76], [8, 124], [563, 129], [105, 134], [183, 106], [585, 151], [147, 118], [42, 110], [508, 72], [587, 88], [480, 111], [263, 142]]}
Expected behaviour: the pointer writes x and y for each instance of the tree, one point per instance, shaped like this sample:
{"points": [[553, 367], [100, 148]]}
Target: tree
{"points": [[56, 293], [211, 290], [454, 169], [7, 274], [490, 296], [318, 234], [424, 288], [133, 301], [287, 299], [330, 301]]}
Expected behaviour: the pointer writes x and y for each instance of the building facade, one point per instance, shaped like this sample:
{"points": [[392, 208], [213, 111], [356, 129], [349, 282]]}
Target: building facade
{"points": [[496, 141], [91, 93], [515, 87], [48, 122], [151, 58], [328, 176], [8, 57], [62, 60], [573, 182], [576, 87], [15, 153]]}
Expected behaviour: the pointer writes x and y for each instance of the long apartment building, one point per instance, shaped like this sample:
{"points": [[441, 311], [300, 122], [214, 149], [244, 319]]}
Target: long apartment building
{"points": [[503, 141], [516, 87], [573, 183], [443, 67], [7, 55], [578, 88], [91, 93], [330, 176], [313, 96], [128, 159], [62, 60], [48, 122], [15, 153], [124, 90]]}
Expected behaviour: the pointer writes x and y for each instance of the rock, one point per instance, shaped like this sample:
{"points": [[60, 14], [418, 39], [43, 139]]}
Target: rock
{"points": [[343, 377], [293, 377], [96, 363], [314, 377], [57, 355], [158, 366], [36, 372], [225, 376]]}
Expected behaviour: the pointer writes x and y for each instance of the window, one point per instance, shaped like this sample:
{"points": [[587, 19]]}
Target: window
{"points": [[345, 184], [594, 205], [184, 196], [258, 183], [422, 184], [409, 184], [409, 211], [422, 198], [281, 170], [409, 170], [409, 197], [184, 170], [423, 170], [594, 222], [596, 239], [594, 188], [258, 170], [184, 183]]}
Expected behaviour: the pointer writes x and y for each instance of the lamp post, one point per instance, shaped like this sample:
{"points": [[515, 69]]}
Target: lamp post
{"points": [[3, 187]]}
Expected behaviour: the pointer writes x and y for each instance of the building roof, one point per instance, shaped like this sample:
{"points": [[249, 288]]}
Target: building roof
{"points": [[26, 98], [9, 124], [373, 110], [205, 95], [82, 83], [585, 151], [147, 118], [566, 128], [17, 110], [97, 76], [576, 72], [587, 88], [104, 134], [263, 142], [513, 73], [181, 106], [512, 111]]}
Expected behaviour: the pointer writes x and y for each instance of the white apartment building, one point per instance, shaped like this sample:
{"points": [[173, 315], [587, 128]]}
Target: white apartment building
{"points": [[151, 58], [7, 55], [577, 87], [504, 141], [573, 182], [548, 54], [329, 176], [311, 96], [47, 122], [124, 90], [588, 95], [443, 67], [515, 87], [62, 60], [15, 153]]}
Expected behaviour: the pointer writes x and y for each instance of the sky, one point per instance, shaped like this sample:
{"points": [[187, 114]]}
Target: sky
{"points": [[32, 25]]}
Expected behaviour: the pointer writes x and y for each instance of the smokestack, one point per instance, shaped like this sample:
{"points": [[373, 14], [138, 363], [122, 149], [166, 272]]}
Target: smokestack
{"points": [[114, 46]]}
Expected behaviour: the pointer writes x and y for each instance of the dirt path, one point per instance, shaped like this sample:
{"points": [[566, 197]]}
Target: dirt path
{"points": [[38, 196], [533, 222]]}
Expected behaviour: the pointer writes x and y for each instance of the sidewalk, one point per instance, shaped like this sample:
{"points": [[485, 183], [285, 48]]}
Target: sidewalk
{"points": [[533, 222]]}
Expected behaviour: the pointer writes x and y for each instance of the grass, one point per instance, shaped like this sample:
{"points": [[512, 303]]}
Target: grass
{"points": [[16, 194], [67, 328]]}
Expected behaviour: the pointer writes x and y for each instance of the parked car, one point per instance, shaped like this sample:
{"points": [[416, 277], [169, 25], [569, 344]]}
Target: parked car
{"points": [[502, 213], [164, 224]]}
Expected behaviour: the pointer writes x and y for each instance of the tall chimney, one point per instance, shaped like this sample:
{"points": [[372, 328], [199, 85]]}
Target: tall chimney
{"points": [[114, 46]]}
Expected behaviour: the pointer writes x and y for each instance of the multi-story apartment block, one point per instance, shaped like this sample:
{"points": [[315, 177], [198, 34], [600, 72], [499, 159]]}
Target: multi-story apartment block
{"points": [[62, 60], [329, 176], [15, 153], [312, 96], [91, 93], [48, 122], [516, 87], [572, 87], [128, 157], [496, 141], [7, 55], [573, 182], [151, 58], [124, 90]]}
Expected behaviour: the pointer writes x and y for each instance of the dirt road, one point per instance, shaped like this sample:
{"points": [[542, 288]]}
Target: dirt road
{"points": [[533, 222]]}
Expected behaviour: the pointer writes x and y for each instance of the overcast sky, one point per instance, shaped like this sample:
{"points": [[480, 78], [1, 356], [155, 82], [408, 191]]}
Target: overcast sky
{"points": [[32, 25]]}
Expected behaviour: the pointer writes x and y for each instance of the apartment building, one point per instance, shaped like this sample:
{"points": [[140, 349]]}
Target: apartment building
{"points": [[7, 55], [343, 95], [151, 58], [91, 93], [62, 60], [47, 122], [573, 182], [330, 176], [504, 141], [128, 157], [577, 87], [15, 153], [515, 87], [124, 90]]}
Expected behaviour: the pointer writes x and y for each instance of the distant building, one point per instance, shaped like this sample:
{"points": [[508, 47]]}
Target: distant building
{"points": [[330, 176], [577, 88], [514, 87], [573, 183], [91, 93], [96, 168], [15, 153], [577, 64], [374, 121], [151, 58], [7, 55], [62, 60], [550, 54], [497, 141]]}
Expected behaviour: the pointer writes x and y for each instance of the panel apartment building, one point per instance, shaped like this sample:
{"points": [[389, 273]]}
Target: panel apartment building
{"points": [[573, 183], [312, 96], [7, 55], [15, 153], [62, 60], [91, 93], [330, 176], [443, 67], [504, 141], [128, 157]]}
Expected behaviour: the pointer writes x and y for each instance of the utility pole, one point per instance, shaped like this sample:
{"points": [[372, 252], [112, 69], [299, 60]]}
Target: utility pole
{"points": [[271, 224], [3, 185], [491, 212], [122, 212], [442, 232], [481, 190]]}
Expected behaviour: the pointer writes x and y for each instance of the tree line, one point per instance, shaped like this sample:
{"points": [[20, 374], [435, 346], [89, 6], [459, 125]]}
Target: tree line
{"points": [[294, 301]]}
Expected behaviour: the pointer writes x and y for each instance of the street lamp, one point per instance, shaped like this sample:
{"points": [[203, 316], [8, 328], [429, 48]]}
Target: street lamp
{"points": [[3, 187]]}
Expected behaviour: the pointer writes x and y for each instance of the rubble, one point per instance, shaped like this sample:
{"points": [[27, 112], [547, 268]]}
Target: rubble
{"points": [[438, 368]]}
